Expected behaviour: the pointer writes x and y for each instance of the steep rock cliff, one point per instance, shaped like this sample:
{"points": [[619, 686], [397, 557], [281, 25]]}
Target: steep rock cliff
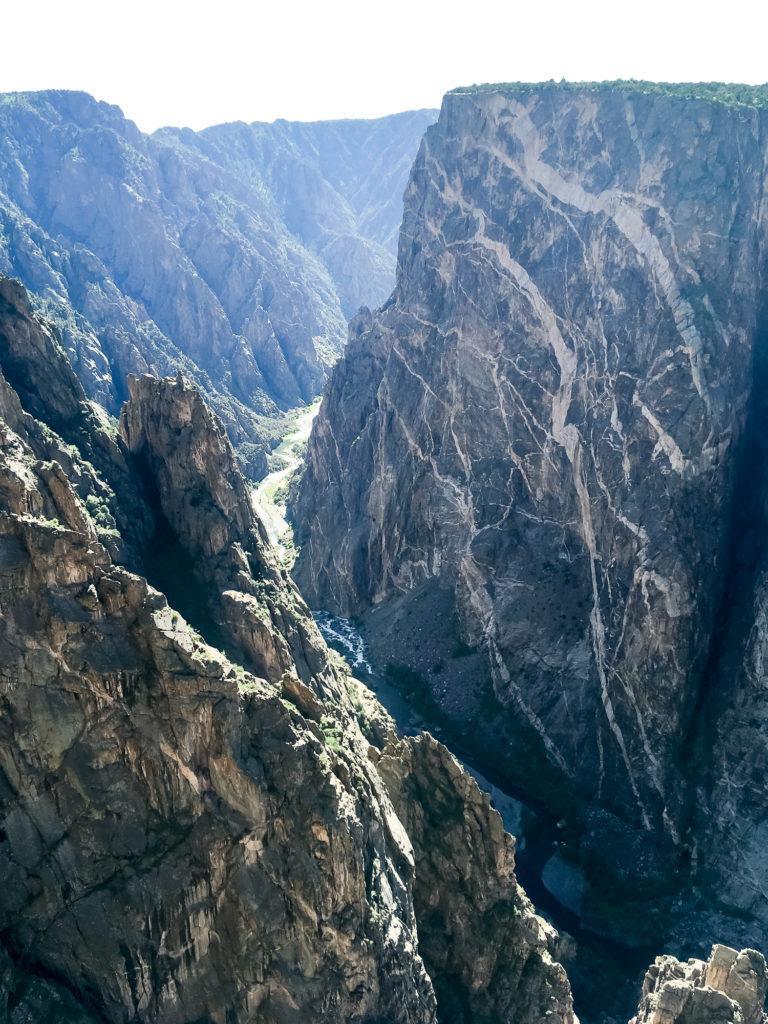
{"points": [[181, 838], [64, 427], [729, 988], [174, 845], [337, 185], [534, 449], [237, 257], [489, 956], [209, 545]]}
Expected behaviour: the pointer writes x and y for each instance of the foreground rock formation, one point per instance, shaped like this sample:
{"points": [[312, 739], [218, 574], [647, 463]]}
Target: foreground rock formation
{"points": [[237, 253], [544, 454], [729, 987], [464, 891], [186, 836]]}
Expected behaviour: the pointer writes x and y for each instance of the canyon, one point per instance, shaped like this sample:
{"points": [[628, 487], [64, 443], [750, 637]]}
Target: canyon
{"points": [[193, 832], [536, 484], [236, 254]]}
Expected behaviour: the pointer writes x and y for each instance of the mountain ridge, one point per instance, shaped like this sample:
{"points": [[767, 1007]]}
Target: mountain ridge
{"points": [[151, 256]]}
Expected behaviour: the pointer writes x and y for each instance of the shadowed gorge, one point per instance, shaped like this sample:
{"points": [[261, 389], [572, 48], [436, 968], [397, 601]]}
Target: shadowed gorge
{"points": [[188, 837], [532, 515]]}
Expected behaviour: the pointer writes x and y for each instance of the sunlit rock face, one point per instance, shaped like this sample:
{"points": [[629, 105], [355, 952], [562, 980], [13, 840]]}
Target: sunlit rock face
{"points": [[540, 434], [729, 988], [236, 254], [186, 835]]}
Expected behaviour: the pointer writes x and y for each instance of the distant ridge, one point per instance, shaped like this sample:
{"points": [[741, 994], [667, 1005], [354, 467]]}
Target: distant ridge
{"points": [[236, 254]]}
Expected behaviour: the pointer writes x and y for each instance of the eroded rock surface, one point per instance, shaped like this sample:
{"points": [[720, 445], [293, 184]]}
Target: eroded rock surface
{"points": [[544, 454], [208, 536], [729, 988], [489, 956], [186, 837]]}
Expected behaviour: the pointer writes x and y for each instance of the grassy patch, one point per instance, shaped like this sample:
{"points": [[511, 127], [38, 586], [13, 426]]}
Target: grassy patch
{"points": [[332, 733]]}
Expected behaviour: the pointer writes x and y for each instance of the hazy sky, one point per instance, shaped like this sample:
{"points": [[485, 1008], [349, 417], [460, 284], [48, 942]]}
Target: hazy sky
{"points": [[166, 62]]}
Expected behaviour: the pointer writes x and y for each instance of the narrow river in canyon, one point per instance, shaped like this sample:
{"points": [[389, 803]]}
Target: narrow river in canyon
{"points": [[553, 885]]}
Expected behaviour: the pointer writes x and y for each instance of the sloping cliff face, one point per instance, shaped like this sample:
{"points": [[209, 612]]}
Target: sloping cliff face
{"points": [[182, 838], [237, 257], [465, 890], [537, 441], [206, 528], [337, 186]]}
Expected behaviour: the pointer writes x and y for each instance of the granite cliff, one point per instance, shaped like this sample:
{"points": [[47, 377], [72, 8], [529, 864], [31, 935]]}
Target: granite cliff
{"points": [[541, 464], [192, 832], [729, 987], [237, 254]]}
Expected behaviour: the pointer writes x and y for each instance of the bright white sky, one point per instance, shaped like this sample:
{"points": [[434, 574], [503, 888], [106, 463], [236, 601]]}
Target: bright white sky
{"points": [[195, 64]]}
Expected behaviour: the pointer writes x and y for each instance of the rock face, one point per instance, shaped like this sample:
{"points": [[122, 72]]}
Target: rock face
{"points": [[466, 894], [236, 255], [337, 185], [540, 447], [729, 988], [183, 838], [64, 425], [210, 548]]}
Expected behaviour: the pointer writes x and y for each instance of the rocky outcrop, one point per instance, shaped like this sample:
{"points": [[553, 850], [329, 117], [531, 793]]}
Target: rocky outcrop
{"points": [[209, 546], [182, 838], [152, 864], [533, 456], [729, 987], [69, 431], [489, 956], [236, 256]]}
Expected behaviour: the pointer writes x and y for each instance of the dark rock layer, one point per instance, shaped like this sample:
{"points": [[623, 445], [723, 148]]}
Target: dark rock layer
{"points": [[536, 452]]}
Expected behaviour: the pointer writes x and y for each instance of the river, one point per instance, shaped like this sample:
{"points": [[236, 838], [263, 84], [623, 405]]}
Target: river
{"points": [[551, 883], [269, 494]]}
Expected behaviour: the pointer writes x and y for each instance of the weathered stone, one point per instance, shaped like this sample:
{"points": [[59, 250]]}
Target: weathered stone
{"points": [[721, 960], [170, 845], [728, 989], [177, 841], [293, 688], [489, 956], [221, 559], [746, 983], [533, 455]]}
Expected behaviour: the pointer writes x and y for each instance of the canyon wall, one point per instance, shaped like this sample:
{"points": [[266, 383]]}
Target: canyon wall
{"points": [[536, 463], [236, 254], [187, 835]]}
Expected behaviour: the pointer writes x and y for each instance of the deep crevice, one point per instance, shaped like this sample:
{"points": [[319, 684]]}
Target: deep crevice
{"points": [[30, 968], [746, 550], [169, 567]]}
